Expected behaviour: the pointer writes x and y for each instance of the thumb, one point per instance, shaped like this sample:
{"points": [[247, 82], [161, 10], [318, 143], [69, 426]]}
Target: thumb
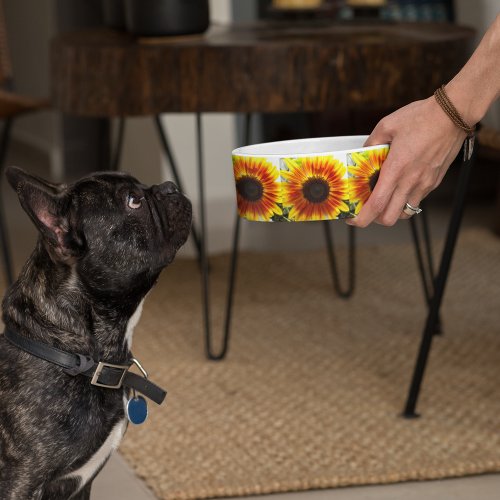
{"points": [[379, 135]]}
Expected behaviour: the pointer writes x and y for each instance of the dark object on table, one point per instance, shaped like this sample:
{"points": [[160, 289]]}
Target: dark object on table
{"points": [[113, 12], [366, 9], [166, 17], [366, 13]]}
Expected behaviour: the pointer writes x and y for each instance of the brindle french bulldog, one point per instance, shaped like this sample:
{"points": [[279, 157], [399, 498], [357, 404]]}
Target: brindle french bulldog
{"points": [[103, 242]]}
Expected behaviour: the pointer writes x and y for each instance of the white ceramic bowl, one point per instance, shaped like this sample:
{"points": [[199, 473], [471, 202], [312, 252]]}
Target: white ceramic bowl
{"points": [[307, 179]]}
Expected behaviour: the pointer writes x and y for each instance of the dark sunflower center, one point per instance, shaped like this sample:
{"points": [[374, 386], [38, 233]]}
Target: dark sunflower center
{"points": [[373, 180], [250, 188], [316, 190]]}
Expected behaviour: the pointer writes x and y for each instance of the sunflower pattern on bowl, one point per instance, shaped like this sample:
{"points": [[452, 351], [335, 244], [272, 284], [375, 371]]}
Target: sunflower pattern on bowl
{"points": [[258, 188], [314, 188], [364, 169], [309, 187]]}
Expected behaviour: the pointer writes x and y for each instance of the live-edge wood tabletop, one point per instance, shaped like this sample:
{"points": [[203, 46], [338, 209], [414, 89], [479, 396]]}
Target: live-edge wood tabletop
{"points": [[262, 67]]}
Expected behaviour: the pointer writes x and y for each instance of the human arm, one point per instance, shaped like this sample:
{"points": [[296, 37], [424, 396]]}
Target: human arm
{"points": [[424, 141]]}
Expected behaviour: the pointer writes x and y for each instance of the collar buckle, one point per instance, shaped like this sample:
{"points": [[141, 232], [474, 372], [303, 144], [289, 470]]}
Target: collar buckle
{"points": [[99, 370]]}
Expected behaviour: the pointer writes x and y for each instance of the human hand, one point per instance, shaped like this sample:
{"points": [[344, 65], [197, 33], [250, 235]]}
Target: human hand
{"points": [[424, 142]]}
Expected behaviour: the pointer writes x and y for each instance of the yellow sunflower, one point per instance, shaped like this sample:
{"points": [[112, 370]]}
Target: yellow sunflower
{"points": [[315, 188], [364, 174], [257, 188]]}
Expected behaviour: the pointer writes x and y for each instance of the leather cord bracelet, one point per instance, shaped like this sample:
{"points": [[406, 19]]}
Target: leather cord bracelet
{"points": [[447, 106]]}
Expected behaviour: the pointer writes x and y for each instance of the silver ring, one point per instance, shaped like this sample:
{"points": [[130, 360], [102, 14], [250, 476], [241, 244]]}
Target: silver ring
{"points": [[411, 210]]}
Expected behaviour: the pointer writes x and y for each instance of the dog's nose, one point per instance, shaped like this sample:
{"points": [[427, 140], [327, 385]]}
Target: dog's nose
{"points": [[162, 190]]}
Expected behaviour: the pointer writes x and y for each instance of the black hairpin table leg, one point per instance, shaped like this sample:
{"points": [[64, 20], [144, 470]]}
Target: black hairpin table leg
{"points": [[116, 152], [426, 267], [438, 292], [209, 350], [344, 293], [424, 258]]}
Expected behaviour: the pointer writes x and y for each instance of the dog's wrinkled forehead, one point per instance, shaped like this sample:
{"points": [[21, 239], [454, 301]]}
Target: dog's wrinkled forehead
{"points": [[106, 188]]}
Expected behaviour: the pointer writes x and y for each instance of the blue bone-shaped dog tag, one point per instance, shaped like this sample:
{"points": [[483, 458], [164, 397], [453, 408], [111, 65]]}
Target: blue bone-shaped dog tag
{"points": [[137, 410]]}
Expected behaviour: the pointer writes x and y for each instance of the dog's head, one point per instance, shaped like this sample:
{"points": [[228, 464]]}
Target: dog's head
{"points": [[117, 233]]}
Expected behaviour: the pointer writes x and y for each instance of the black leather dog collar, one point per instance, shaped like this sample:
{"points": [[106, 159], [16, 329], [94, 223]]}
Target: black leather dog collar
{"points": [[102, 374]]}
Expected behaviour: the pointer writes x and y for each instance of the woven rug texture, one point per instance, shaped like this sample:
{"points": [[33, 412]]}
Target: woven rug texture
{"points": [[311, 392]]}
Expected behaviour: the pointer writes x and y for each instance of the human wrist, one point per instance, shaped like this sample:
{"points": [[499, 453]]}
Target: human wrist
{"points": [[458, 108], [477, 85], [442, 119], [470, 109]]}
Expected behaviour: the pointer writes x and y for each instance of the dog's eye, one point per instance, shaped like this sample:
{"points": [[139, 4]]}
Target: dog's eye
{"points": [[134, 201]]}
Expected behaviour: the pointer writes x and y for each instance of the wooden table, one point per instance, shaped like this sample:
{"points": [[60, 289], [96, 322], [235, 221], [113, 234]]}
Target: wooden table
{"points": [[268, 67], [265, 67]]}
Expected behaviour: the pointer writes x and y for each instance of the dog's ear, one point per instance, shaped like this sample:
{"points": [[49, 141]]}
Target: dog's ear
{"points": [[47, 204]]}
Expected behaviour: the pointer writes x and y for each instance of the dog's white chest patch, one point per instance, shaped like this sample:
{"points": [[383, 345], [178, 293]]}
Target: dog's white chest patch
{"points": [[132, 322], [87, 471]]}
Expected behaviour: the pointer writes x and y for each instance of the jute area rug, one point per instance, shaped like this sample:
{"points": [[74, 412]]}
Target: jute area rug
{"points": [[311, 393]]}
